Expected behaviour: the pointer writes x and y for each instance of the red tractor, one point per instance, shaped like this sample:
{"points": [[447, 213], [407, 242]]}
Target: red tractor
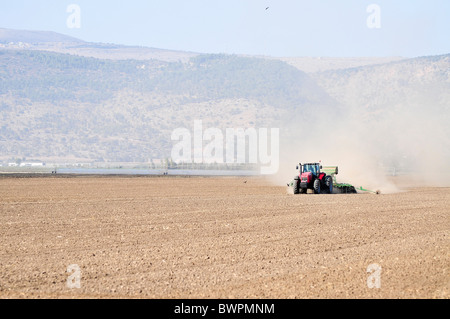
{"points": [[310, 177]]}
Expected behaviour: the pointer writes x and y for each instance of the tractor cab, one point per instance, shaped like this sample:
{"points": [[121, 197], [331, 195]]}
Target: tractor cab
{"points": [[313, 168]]}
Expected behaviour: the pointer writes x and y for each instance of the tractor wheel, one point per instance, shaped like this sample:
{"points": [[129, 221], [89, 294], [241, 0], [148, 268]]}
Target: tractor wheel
{"points": [[329, 183], [317, 186], [296, 186]]}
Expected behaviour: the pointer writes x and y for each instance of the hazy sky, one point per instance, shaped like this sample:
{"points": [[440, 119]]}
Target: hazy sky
{"points": [[288, 28]]}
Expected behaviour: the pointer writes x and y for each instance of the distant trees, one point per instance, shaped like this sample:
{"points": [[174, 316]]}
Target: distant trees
{"points": [[48, 76]]}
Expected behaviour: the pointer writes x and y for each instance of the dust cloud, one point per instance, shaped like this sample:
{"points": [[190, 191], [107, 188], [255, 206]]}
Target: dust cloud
{"points": [[408, 142]]}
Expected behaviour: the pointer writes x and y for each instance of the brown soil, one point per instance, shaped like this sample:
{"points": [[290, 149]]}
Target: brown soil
{"points": [[174, 237]]}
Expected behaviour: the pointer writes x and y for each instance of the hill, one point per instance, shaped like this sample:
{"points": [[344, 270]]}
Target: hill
{"points": [[34, 37], [59, 43], [62, 106]]}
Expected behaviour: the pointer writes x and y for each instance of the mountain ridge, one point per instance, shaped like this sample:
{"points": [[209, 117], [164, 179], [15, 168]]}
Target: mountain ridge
{"points": [[79, 47], [61, 105], [35, 37]]}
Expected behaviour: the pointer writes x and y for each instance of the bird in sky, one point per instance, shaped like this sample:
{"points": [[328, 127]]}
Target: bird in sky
{"points": [[267, 8]]}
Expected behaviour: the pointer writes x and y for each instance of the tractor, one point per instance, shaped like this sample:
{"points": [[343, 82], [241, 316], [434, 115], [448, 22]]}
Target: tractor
{"points": [[322, 180], [311, 177]]}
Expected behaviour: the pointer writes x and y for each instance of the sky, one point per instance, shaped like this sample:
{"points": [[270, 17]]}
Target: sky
{"points": [[316, 28]]}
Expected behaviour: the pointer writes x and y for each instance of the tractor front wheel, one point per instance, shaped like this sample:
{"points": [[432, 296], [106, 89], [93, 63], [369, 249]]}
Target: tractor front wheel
{"points": [[296, 186]]}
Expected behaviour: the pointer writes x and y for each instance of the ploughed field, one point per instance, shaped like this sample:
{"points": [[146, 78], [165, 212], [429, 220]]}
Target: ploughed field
{"points": [[217, 237]]}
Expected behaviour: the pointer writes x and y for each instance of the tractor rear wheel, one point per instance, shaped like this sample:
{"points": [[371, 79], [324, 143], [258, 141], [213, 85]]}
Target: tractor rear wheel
{"points": [[317, 186]]}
